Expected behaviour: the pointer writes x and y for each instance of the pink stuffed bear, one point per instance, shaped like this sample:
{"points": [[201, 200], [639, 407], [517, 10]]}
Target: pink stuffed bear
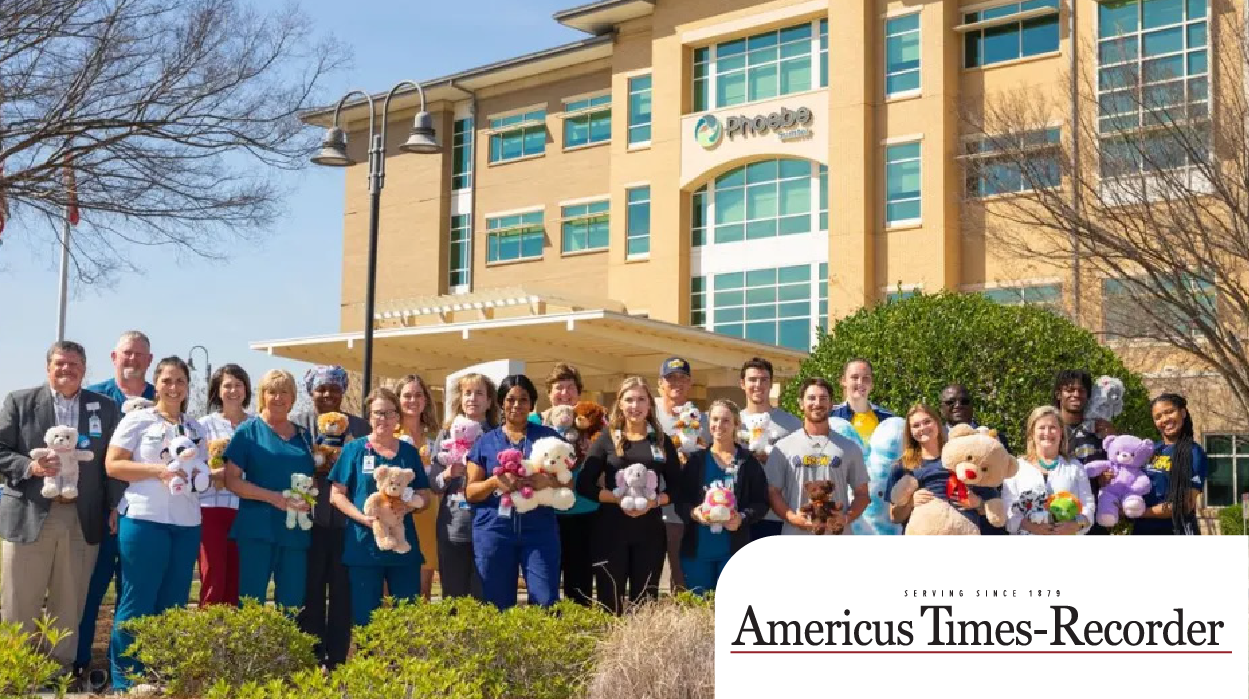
{"points": [[513, 462], [1128, 456], [718, 506], [464, 433]]}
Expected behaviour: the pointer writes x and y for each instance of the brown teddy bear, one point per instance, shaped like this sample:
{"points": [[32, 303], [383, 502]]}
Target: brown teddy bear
{"points": [[974, 457], [389, 509], [820, 508], [331, 436], [590, 419], [217, 458]]}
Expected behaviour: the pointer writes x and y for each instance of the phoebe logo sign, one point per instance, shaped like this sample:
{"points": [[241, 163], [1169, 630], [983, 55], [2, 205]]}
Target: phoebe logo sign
{"points": [[926, 598], [708, 131]]}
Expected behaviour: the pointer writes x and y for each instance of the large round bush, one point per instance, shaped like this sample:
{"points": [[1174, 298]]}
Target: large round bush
{"points": [[1006, 356]]}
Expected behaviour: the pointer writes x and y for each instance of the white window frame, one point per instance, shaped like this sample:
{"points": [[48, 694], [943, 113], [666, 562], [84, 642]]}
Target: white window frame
{"points": [[971, 155], [918, 69], [904, 141], [520, 126], [629, 216], [816, 55], [519, 227], [586, 217], [467, 243], [709, 308], [467, 148], [1019, 18], [707, 191], [588, 113], [630, 127]]}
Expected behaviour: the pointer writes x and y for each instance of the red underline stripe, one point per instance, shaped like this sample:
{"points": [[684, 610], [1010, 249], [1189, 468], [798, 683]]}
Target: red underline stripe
{"points": [[995, 652]]}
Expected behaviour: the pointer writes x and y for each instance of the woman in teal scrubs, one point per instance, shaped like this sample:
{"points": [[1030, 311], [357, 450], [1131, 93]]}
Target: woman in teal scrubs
{"points": [[263, 455], [353, 481]]}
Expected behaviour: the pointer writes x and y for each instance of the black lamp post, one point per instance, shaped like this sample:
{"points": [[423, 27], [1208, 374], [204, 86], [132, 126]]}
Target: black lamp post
{"points": [[334, 153]]}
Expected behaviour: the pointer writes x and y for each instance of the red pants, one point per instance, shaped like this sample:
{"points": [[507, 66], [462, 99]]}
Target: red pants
{"points": [[218, 558]]}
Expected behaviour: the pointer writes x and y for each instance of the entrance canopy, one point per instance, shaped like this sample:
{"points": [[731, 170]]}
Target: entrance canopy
{"points": [[437, 336]]}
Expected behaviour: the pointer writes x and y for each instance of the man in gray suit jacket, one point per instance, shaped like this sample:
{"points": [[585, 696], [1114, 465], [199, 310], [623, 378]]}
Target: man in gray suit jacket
{"points": [[49, 545]]}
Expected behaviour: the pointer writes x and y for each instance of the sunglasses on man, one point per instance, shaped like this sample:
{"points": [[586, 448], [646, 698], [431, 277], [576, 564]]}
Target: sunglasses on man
{"points": [[960, 400]]}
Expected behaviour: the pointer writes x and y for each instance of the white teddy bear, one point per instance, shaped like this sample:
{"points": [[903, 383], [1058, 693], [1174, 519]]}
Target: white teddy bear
{"points": [[304, 488], [758, 433], [63, 442], [687, 430], [554, 457], [184, 454], [1106, 403]]}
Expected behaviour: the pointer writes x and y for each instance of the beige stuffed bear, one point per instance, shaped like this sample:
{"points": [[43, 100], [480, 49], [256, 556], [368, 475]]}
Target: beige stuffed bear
{"points": [[64, 442], [389, 509], [974, 457]]}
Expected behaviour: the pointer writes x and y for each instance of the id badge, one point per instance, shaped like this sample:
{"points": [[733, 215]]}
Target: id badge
{"points": [[368, 464], [458, 501], [505, 510], [95, 427], [729, 481], [657, 453]]}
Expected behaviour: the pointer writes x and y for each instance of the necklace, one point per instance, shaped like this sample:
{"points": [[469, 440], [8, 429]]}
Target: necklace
{"points": [[1047, 466]]}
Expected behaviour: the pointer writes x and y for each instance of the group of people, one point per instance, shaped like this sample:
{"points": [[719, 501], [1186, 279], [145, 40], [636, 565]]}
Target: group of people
{"points": [[126, 524]]}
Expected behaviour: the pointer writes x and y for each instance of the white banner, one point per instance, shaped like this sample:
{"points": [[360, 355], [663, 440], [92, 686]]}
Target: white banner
{"points": [[933, 617]]}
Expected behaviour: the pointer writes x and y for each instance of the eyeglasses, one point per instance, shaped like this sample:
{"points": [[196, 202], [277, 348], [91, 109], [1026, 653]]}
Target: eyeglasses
{"points": [[961, 400], [384, 414]]}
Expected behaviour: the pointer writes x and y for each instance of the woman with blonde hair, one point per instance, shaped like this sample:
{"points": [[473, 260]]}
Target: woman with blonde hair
{"points": [[473, 396], [922, 441], [1047, 470], [264, 453], [630, 545], [416, 424]]}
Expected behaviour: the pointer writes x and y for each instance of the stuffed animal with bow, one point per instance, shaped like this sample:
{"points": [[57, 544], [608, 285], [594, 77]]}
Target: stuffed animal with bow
{"points": [[636, 485], [974, 457], [303, 488], [388, 508], [64, 443], [686, 434], [563, 419], [184, 454], [1127, 457], [512, 462], [331, 437], [553, 457], [821, 508], [758, 433], [590, 419], [463, 434], [719, 506]]}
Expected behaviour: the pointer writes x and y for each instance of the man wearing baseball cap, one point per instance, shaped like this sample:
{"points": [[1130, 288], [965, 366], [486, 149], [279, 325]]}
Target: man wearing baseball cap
{"points": [[674, 389]]}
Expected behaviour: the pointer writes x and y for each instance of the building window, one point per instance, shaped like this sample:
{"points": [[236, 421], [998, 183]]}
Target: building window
{"points": [[902, 55], [1122, 301], [518, 136], [1015, 163], [1000, 35], [759, 67], [515, 237], [765, 199], [823, 284], [638, 222], [1153, 71], [823, 53], [899, 293], [1229, 468], [640, 109], [587, 121], [698, 301], [461, 261], [765, 305], [1048, 296], [585, 226], [902, 184], [462, 154]]}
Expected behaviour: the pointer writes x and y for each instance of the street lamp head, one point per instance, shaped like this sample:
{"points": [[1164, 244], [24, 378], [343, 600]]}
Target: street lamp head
{"points": [[421, 137], [333, 149]]}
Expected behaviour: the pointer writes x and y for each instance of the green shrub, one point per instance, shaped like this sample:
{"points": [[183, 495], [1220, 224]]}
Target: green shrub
{"points": [[25, 667], [1006, 356], [189, 651], [480, 653], [664, 650], [362, 678], [1231, 521]]}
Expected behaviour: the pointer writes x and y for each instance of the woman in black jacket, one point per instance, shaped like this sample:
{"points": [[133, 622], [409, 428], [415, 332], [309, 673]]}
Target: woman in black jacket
{"points": [[707, 545], [629, 545]]}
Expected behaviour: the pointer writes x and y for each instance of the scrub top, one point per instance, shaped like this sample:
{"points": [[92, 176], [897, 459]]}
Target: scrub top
{"points": [[268, 461], [113, 391], [1159, 472], [354, 470], [712, 546], [485, 453]]}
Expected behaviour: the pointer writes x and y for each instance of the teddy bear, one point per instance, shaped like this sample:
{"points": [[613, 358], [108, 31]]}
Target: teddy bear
{"points": [[1106, 401], [719, 506], [590, 419], [63, 442], [463, 433], [1063, 506], [1126, 459], [821, 508], [183, 454], [686, 432], [389, 509], [303, 488], [136, 403], [563, 419], [331, 437], [1033, 505], [635, 486], [554, 457], [512, 461], [758, 433], [974, 457]]}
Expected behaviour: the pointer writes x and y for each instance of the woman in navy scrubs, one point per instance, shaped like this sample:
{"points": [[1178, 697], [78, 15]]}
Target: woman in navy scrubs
{"points": [[352, 480], [1177, 473], [503, 539]]}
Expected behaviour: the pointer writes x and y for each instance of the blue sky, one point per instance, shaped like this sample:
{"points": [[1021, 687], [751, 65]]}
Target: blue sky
{"points": [[287, 285]]}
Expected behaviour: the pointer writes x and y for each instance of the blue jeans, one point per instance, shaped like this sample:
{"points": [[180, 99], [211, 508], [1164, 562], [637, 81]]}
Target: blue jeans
{"points": [[107, 568], [404, 583], [701, 575], [157, 563], [288, 567]]}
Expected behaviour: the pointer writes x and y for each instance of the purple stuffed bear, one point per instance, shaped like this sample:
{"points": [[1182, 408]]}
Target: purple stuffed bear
{"points": [[1128, 456]]}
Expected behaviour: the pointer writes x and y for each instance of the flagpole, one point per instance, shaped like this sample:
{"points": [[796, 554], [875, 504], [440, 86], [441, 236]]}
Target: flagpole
{"points": [[60, 323]]}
